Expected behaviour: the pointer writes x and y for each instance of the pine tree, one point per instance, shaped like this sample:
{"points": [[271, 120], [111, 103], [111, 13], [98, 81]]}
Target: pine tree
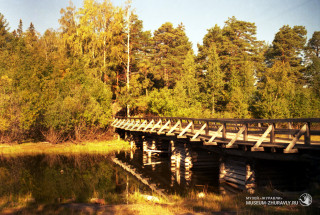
{"points": [[20, 29], [240, 57], [170, 47], [278, 92], [4, 32], [188, 79], [288, 45], [313, 70], [213, 81]]}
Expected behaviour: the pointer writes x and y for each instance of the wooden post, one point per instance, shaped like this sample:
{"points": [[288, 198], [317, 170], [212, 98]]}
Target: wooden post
{"points": [[172, 148], [307, 134], [144, 146], [272, 136], [207, 129], [290, 127], [192, 127], [245, 133], [224, 131]]}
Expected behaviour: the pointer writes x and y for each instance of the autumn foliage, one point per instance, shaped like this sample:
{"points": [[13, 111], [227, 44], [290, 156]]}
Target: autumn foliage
{"points": [[60, 85]]}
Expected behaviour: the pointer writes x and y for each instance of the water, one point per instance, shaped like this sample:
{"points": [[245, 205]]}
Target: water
{"points": [[218, 173], [159, 171], [53, 179]]}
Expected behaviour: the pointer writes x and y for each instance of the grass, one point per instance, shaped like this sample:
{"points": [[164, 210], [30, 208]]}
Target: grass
{"points": [[191, 204], [109, 146]]}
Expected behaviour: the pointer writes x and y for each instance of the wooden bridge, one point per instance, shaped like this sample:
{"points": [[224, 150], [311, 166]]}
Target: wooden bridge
{"points": [[188, 140], [268, 135]]}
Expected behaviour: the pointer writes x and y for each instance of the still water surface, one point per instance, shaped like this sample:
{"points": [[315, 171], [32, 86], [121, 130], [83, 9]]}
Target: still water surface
{"points": [[61, 179]]}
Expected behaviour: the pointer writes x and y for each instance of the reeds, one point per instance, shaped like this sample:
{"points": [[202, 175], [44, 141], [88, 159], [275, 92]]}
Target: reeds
{"points": [[104, 147]]}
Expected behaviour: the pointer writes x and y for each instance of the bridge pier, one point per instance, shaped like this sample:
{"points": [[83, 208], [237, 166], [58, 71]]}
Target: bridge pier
{"points": [[237, 173]]}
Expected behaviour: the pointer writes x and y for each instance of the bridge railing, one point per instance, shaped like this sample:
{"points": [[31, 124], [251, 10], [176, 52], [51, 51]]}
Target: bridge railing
{"points": [[255, 134]]}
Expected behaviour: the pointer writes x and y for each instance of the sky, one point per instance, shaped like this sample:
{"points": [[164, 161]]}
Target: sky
{"points": [[197, 15]]}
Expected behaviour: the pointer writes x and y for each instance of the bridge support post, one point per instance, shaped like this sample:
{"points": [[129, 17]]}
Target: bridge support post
{"points": [[307, 134], [171, 145], [272, 135], [144, 146], [224, 131]]}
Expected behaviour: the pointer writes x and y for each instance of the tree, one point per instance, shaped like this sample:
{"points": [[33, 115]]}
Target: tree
{"points": [[188, 80], [170, 47], [314, 44], [288, 46], [313, 70], [277, 93], [20, 29], [4, 32], [240, 59], [213, 81]]}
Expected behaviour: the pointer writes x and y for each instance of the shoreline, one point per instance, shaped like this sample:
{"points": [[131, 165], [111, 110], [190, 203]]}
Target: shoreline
{"points": [[32, 148]]}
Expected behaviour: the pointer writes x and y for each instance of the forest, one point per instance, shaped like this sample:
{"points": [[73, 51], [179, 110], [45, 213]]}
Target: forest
{"points": [[66, 84]]}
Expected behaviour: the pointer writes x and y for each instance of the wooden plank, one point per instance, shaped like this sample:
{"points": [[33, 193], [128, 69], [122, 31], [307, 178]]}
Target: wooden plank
{"points": [[135, 125], [142, 124], [131, 124], [150, 123], [215, 135], [174, 128], [156, 125], [185, 129], [120, 123], [230, 144], [127, 122], [289, 148], [198, 132], [236, 176], [127, 126], [114, 122], [164, 127], [256, 147]]}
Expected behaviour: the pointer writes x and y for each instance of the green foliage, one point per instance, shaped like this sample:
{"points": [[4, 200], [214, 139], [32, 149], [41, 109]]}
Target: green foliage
{"points": [[84, 102], [170, 47], [174, 102], [277, 92], [288, 45], [64, 82]]}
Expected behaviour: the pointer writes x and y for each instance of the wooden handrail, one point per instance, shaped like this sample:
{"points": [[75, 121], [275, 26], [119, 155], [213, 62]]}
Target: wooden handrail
{"points": [[259, 132]]}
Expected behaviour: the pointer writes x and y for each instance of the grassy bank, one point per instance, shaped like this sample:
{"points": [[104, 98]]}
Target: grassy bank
{"points": [[64, 148], [191, 204]]}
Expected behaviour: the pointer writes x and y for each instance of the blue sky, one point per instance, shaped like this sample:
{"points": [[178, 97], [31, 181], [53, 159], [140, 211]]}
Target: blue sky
{"points": [[196, 15]]}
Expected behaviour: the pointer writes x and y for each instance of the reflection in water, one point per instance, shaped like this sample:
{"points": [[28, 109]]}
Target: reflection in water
{"points": [[173, 173], [60, 178], [186, 169]]}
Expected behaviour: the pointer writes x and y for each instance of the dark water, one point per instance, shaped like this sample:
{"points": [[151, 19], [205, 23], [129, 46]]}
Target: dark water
{"points": [[60, 179], [51, 179], [158, 170], [205, 175]]}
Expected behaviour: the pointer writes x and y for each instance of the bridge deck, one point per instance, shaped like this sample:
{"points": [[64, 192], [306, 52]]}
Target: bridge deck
{"points": [[291, 135]]}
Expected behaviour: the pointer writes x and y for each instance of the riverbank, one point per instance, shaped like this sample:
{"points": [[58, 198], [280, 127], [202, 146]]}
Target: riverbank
{"points": [[189, 205], [64, 148]]}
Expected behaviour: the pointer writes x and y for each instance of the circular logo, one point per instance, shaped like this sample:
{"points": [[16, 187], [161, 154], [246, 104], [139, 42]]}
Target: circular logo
{"points": [[305, 199]]}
